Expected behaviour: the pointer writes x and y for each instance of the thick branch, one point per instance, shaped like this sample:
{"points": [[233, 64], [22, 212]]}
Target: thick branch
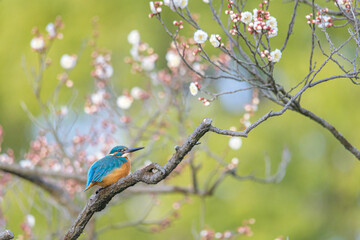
{"points": [[6, 235], [99, 201]]}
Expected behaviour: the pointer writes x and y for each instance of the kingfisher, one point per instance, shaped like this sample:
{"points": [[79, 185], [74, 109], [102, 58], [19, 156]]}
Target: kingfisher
{"points": [[110, 168]]}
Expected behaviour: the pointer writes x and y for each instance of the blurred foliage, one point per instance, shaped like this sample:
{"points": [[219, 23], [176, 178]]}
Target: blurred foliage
{"points": [[318, 199]]}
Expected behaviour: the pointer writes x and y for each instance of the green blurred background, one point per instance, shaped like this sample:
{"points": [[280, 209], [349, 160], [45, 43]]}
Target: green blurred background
{"points": [[319, 197]]}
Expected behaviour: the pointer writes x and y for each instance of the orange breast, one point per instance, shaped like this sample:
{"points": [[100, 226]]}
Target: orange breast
{"points": [[115, 175]]}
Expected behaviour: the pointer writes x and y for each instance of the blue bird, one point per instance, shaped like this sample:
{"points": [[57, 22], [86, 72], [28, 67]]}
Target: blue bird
{"points": [[110, 168]]}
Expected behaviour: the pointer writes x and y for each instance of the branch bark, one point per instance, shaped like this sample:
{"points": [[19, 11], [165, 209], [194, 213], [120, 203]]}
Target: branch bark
{"points": [[6, 235]]}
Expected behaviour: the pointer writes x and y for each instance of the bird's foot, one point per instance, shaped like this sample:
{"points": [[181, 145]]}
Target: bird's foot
{"points": [[99, 190]]}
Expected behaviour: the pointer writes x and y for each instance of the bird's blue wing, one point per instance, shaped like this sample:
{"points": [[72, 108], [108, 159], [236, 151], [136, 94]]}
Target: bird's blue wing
{"points": [[101, 168]]}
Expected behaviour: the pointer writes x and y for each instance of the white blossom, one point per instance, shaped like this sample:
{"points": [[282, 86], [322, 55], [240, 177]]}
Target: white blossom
{"points": [[136, 92], [148, 63], [258, 26], [324, 22], [180, 3], [152, 7], [271, 22], [200, 36], [98, 97], [246, 17], [273, 32], [26, 164], [68, 61], [134, 52], [63, 110], [235, 161], [37, 43], [170, 4], [193, 89], [100, 59], [213, 40], [104, 72], [256, 14], [50, 28], [275, 55], [134, 37], [30, 220], [124, 102], [206, 1], [173, 59], [218, 235], [235, 143]]}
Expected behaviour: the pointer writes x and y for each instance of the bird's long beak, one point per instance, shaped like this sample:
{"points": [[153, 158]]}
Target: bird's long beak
{"points": [[133, 149]]}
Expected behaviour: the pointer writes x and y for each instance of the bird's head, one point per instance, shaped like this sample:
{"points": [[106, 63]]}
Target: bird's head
{"points": [[122, 151]]}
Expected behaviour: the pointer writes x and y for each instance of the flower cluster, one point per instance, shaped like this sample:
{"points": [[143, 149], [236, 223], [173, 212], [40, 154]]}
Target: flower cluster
{"points": [[200, 37], [103, 69], [143, 57], [155, 8], [250, 109], [179, 24], [273, 56], [322, 19], [38, 43], [96, 101], [344, 4], [259, 22], [245, 230]]}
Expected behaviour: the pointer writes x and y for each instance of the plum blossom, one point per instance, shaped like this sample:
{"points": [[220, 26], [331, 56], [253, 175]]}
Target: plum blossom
{"points": [[180, 3], [170, 4], [193, 89], [214, 40], [173, 59], [344, 4], [324, 21], [256, 13], [50, 28], [104, 72], [134, 37], [26, 163], [37, 43], [124, 102], [152, 7], [200, 36], [148, 63], [272, 32], [68, 61], [235, 143], [63, 110], [138, 93], [275, 55], [30, 220], [271, 22], [98, 97], [246, 17]]}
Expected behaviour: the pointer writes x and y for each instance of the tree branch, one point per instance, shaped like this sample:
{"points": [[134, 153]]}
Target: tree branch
{"points": [[6, 235], [54, 190], [99, 201]]}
